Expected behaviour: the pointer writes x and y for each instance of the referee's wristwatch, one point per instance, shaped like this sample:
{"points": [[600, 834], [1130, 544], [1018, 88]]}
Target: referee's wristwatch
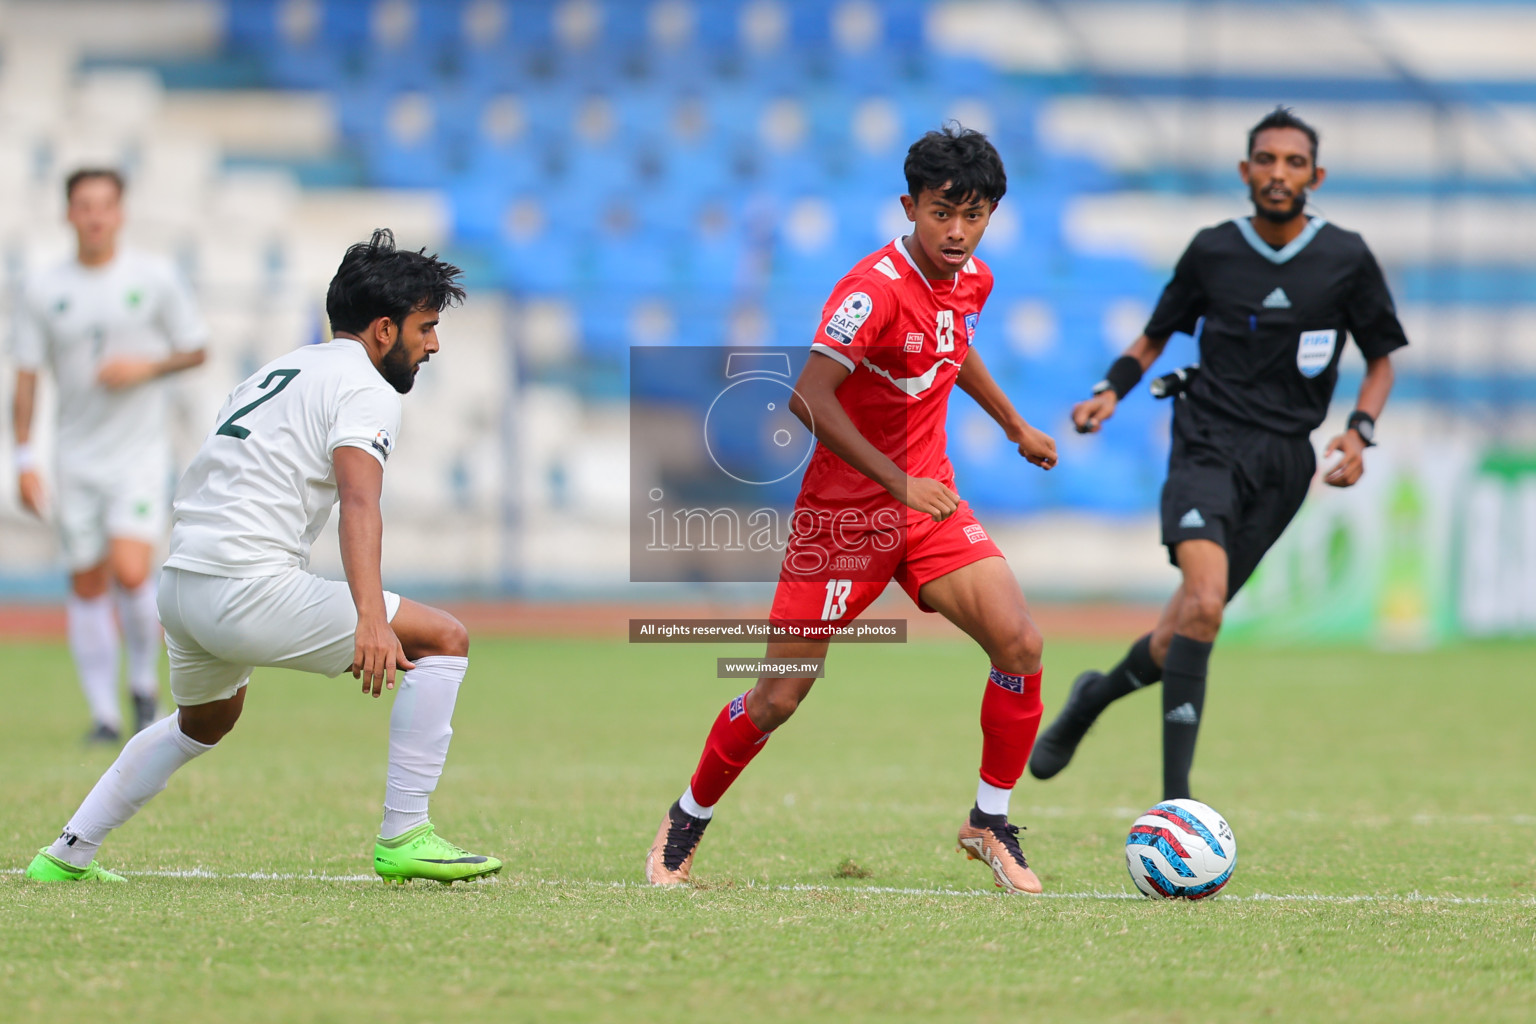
{"points": [[1103, 386], [1363, 424]]}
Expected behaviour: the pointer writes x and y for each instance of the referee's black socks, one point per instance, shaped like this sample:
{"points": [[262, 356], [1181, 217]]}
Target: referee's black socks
{"points": [[1183, 702], [1136, 669]]}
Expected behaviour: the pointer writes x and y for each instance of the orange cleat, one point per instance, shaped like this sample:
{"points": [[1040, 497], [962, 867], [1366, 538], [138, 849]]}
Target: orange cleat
{"points": [[990, 839], [670, 859]]}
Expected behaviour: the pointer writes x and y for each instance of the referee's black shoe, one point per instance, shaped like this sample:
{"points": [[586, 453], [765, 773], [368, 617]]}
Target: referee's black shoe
{"points": [[1055, 747]]}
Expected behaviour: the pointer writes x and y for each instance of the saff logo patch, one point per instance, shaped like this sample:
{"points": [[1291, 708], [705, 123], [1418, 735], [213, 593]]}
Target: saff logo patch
{"points": [[383, 443], [850, 316], [971, 320]]}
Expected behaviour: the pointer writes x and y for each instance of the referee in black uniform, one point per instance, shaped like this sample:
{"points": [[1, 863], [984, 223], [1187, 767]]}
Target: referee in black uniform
{"points": [[1272, 300]]}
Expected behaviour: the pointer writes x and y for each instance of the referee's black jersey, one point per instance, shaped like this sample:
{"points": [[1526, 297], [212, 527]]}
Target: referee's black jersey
{"points": [[1276, 320]]}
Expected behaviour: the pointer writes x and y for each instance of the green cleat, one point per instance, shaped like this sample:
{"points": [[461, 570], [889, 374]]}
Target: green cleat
{"points": [[422, 853], [45, 867]]}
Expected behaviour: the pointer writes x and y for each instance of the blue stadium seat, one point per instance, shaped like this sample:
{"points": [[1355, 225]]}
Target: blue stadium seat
{"points": [[479, 206], [717, 24], [629, 263], [345, 22], [440, 24], [251, 25], [905, 29], [810, 25], [532, 23], [548, 263]]}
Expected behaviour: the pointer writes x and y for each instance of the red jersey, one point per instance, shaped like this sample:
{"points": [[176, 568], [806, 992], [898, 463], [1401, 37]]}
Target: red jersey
{"points": [[903, 338]]}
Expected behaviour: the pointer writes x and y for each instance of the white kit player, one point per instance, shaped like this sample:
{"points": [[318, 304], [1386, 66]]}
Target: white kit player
{"points": [[305, 431], [110, 324]]}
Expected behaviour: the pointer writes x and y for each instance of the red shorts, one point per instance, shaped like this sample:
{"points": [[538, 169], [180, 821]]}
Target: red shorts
{"points": [[836, 564]]}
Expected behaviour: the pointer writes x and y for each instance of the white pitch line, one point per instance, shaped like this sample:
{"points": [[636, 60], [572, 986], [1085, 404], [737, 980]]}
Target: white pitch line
{"points": [[1261, 897], [1311, 817], [251, 876], [245, 876], [860, 890]]}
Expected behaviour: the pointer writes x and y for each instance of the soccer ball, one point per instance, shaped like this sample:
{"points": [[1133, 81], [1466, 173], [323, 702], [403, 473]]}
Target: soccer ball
{"points": [[1181, 849]]}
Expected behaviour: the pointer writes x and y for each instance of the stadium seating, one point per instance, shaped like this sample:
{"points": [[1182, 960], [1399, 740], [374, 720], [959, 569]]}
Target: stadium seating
{"points": [[583, 143], [700, 172]]}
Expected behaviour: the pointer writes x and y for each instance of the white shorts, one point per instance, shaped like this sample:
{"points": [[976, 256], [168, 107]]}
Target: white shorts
{"points": [[97, 506], [217, 628]]}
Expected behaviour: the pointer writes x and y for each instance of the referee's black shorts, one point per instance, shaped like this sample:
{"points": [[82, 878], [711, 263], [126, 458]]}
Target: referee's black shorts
{"points": [[1232, 483]]}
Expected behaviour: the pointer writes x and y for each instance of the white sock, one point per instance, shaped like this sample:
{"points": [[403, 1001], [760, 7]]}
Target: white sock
{"points": [[143, 768], [93, 643], [990, 799], [692, 807], [140, 619], [420, 727]]}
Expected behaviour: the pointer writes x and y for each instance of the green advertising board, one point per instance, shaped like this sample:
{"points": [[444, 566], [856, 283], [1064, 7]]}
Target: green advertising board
{"points": [[1428, 547]]}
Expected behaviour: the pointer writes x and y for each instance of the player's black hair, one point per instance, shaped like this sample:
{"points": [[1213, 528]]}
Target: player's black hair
{"points": [[962, 158], [375, 279], [1283, 117], [89, 174]]}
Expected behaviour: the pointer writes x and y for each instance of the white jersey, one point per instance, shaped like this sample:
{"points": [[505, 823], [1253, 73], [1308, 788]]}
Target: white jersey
{"points": [[262, 485], [73, 318]]}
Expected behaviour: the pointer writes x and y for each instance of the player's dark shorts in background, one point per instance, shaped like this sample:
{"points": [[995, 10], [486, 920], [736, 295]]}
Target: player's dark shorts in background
{"points": [[1234, 484]]}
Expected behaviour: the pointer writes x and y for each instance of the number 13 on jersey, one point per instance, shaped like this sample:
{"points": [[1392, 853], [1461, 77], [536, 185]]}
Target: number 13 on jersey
{"points": [[836, 605], [944, 330]]}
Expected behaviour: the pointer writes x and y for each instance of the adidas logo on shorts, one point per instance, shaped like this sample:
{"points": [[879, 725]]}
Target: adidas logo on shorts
{"points": [[1192, 520]]}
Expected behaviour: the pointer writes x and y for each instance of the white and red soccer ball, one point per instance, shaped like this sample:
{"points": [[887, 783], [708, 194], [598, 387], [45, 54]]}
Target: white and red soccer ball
{"points": [[1181, 849]]}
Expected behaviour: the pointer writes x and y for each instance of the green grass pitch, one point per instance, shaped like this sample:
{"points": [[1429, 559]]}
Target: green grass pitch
{"points": [[1382, 805]]}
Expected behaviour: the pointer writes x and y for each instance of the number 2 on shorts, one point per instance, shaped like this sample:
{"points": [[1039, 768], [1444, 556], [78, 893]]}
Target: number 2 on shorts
{"points": [[837, 600], [230, 429]]}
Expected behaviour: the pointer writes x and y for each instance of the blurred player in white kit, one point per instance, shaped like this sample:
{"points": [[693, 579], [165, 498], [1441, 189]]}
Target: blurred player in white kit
{"points": [[110, 324]]}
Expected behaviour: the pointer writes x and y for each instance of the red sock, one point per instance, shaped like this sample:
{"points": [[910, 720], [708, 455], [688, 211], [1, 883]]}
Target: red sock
{"points": [[1010, 716], [733, 742]]}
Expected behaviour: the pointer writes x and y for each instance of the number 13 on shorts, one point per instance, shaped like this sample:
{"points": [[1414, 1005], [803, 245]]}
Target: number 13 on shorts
{"points": [[836, 605]]}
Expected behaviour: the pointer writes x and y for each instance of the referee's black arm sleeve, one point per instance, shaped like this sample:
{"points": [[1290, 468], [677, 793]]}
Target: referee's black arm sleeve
{"points": [[1372, 316], [1183, 301]]}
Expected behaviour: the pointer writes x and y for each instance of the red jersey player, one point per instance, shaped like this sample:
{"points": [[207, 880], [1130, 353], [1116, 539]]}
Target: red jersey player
{"points": [[878, 500]]}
